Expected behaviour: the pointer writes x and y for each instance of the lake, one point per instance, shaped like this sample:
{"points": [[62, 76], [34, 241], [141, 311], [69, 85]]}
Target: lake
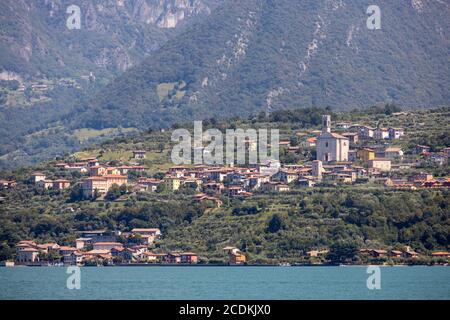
{"points": [[198, 282]]}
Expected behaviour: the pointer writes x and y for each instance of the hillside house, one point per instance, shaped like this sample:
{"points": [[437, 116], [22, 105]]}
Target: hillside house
{"points": [[381, 164], [381, 133], [393, 153], [309, 143], [351, 136], [37, 176], [101, 185], [172, 183], [61, 184], [396, 133], [365, 154], [148, 235], [139, 154]]}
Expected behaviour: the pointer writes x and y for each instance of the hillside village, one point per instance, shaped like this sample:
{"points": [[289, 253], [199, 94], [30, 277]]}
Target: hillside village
{"points": [[342, 154], [357, 156]]}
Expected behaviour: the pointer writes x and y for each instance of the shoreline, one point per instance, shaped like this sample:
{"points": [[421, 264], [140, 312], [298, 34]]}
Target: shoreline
{"points": [[224, 265]]}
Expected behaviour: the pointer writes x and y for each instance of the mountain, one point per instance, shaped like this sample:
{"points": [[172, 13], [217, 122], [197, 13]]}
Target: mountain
{"points": [[262, 55], [45, 67], [114, 35], [160, 62]]}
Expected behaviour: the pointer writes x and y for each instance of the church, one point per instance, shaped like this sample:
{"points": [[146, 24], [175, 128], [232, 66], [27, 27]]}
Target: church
{"points": [[331, 146]]}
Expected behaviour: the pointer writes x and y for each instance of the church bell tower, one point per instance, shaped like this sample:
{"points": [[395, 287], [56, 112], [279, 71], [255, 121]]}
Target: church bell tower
{"points": [[326, 123]]}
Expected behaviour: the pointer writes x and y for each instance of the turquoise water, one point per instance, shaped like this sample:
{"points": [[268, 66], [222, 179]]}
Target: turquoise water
{"points": [[225, 283]]}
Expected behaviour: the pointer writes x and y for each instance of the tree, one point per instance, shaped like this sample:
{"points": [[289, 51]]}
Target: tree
{"points": [[76, 193], [343, 251], [6, 252], [275, 224], [123, 189], [113, 193]]}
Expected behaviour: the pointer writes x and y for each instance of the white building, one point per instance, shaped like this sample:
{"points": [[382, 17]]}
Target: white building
{"points": [[331, 146]]}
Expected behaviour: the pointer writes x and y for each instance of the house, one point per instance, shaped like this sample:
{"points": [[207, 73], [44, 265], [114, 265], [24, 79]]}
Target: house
{"points": [[365, 132], [106, 245], [150, 184], [343, 125], [64, 250], [306, 182], [96, 235], [213, 187], [316, 253], [73, 259], [396, 133], [420, 149], [139, 154], [351, 136], [201, 197], [188, 257], [149, 235], [381, 164], [50, 247], [101, 185], [393, 153], [281, 188], [273, 186], [81, 243], [395, 253], [269, 167], [46, 184], [377, 253], [235, 256], [365, 154], [37, 176], [331, 146], [27, 255], [287, 176], [150, 257], [172, 183], [97, 171], [422, 177], [7, 184], [60, 184], [444, 254], [309, 143], [126, 169], [381, 133], [172, 258], [112, 171], [410, 254]]}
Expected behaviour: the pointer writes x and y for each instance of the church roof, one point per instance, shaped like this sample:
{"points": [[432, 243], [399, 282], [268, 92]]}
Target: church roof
{"points": [[332, 135]]}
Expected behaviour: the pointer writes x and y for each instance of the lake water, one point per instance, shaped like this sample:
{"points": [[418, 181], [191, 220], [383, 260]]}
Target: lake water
{"points": [[225, 283]]}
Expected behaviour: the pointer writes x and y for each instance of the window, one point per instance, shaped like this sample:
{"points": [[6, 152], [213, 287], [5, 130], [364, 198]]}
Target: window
{"points": [[326, 144]]}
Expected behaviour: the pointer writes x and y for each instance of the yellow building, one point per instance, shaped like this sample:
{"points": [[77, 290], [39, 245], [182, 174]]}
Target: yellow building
{"points": [[235, 256], [102, 184], [172, 183], [365, 154]]}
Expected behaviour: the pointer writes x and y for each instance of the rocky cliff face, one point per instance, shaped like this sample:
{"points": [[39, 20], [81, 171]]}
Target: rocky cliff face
{"points": [[113, 36], [168, 14]]}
